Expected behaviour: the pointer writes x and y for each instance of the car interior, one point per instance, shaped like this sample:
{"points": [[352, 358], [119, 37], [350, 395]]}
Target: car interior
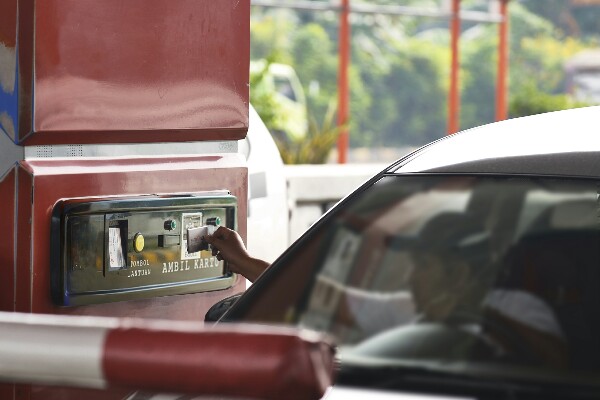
{"points": [[452, 270]]}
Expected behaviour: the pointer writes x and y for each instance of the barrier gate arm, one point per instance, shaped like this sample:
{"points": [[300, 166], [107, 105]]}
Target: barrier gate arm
{"points": [[154, 355]]}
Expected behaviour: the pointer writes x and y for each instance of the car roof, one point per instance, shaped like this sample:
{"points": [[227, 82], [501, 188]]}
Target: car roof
{"points": [[556, 143]]}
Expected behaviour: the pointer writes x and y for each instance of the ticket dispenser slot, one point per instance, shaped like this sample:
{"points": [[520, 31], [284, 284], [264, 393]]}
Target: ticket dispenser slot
{"points": [[128, 249]]}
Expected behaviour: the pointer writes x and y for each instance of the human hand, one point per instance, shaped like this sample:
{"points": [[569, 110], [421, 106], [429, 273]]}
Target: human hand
{"points": [[228, 245]]}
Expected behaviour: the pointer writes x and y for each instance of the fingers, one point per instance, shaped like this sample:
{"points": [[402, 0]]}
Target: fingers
{"points": [[227, 245], [221, 232], [215, 250], [217, 240]]}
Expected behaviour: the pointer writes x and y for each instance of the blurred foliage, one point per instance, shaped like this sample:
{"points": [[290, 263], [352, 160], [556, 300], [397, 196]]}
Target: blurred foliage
{"points": [[264, 101], [529, 100], [544, 58], [316, 146], [581, 21], [538, 54], [410, 104], [399, 73]]}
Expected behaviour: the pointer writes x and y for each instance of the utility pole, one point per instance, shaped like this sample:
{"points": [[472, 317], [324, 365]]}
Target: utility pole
{"points": [[343, 83], [454, 93], [502, 74]]}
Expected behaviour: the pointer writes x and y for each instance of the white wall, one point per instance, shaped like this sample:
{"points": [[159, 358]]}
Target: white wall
{"points": [[313, 189]]}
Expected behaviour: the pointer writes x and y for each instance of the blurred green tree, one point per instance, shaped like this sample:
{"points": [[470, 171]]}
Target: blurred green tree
{"points": [[318, 143], [529, 100], [399, 74]]}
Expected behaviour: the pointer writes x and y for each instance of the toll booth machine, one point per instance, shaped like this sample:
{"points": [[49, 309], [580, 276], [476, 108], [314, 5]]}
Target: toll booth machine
{"points": [[119, 126]]}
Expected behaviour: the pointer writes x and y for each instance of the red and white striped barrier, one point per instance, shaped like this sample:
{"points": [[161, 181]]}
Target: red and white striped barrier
{"points": [[179, 357]]}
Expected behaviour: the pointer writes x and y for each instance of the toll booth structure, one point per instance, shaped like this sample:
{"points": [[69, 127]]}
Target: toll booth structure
{"points": [[119, 124]]}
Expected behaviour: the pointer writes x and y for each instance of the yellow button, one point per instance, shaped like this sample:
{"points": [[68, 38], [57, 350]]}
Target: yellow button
{"points": [[138, 242]]}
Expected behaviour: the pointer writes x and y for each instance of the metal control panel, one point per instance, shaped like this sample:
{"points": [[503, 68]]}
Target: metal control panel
{"points": [[127, 249]]}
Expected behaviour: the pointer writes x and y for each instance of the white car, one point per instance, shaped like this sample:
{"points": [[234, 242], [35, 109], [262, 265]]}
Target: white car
{"points": [[469, 268], [268, 210]]}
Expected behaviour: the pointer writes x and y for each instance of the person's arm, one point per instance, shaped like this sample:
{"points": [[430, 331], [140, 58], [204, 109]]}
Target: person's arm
{"points": [[228, 245]]}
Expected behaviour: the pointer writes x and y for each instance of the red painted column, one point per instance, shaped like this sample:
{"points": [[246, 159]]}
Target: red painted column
{"points": [[454, 93], [343, 84], [502, 75], [8, 186]]}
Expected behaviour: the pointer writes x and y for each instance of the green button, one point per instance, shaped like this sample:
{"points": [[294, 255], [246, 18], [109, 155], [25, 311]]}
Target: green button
{"points": [[170, 225], [216, 221]]}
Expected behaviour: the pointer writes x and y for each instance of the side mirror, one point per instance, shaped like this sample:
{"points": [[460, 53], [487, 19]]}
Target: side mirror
{"points": [[218, 309]]}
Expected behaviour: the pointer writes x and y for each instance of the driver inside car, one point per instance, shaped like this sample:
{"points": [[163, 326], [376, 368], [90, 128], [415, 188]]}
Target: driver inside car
{"points": [[459, 308]]}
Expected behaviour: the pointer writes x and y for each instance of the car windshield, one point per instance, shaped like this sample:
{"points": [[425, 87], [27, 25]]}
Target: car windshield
{"points": [[451, 272]]}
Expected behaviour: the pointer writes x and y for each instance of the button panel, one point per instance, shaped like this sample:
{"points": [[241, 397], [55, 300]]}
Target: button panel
{"points": [[124, 250]]}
